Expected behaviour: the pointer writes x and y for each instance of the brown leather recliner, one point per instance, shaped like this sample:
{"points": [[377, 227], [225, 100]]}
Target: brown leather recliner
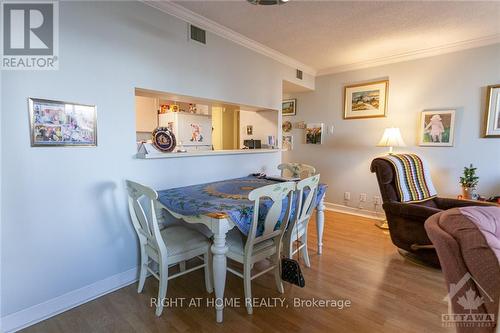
{"points": [[406, 220]]}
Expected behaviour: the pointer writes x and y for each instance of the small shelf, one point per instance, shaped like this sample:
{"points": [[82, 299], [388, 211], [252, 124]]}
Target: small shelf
{"points": [[189, 113], [206, 153]]}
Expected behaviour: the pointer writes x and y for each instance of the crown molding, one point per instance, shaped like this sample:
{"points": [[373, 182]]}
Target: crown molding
{"points": [[415, 54], [223, 31]]}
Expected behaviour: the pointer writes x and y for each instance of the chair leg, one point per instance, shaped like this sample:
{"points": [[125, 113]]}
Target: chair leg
{"points": [[247, 285], [277, 273], [305, 254], [207, 258], [143, 270], [162, 290], [288, 247]]}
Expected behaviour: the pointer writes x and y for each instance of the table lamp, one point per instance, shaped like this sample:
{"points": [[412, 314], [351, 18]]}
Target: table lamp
{"points": [[391, 138]]}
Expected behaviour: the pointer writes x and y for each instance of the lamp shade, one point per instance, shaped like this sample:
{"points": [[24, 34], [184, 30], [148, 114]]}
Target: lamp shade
{"points": [[391, 138]]}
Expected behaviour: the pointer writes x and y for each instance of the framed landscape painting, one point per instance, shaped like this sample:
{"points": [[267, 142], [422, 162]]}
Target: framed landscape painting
{"points": [[367, 100], [56, 123], [437, 128], [288, 107], [492, 127]]}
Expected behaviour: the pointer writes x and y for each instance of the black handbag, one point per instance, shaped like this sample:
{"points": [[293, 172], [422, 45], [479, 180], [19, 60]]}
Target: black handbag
{"points": [[290, 272], [290, 268]]}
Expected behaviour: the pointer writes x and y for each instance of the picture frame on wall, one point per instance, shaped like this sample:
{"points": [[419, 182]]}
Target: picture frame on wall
{"points": [[56, 123], [437, 128], [289, 107], [366, 100], [286, 126], [314, 133], [287, 143], [492, 116]]}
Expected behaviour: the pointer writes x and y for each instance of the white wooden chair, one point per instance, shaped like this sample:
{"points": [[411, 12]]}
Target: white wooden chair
{"points": [[296, 170], [172, 245], [265, 246], [297, 228]]}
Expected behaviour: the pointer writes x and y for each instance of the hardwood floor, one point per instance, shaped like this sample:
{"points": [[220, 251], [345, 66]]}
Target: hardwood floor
{"points": [[359, 263]]}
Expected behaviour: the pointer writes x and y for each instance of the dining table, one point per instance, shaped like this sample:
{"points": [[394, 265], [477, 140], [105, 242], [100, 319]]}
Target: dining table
{"points": [[222, 206]]}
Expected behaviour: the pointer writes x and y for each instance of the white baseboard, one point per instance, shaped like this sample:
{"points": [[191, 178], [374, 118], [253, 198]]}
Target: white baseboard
{"points": [[37, 313], [355, 211]]}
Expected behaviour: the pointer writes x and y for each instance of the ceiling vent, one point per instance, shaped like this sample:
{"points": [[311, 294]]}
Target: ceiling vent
{"points": [[197, 34], [298, 74]]}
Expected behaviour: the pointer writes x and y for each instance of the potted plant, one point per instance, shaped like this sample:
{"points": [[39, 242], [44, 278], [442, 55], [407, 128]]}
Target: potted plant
{"points": [[469, 182]]}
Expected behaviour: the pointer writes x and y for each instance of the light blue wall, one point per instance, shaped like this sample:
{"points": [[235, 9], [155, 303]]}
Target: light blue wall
{"points": [[64, 218], [456, 80]]}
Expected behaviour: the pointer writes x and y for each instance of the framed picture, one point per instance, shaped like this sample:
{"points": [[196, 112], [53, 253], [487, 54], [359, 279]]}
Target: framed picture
{"points": [[271, 141], [300, 125], [492, 126], [288, 107], [286, 126], [314, 133], [437, 128], [287, 143], [367, 100], [249, 129], [56, 123]]}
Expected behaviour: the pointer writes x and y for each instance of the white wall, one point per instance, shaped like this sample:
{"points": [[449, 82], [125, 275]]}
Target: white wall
{"points": [[264, 123], [1, 190], [456, 80], [64, 218]]}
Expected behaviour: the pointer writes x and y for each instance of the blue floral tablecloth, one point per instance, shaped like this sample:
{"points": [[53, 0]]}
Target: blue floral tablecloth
{"points": [[228, 197]]}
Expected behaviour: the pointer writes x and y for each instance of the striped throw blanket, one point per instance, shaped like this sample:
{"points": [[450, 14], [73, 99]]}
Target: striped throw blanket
{"points": [[413, 179]]}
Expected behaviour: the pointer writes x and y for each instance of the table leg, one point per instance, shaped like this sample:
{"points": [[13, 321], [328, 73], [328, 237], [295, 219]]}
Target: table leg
{"points": [[219, 250], [320, 222]]}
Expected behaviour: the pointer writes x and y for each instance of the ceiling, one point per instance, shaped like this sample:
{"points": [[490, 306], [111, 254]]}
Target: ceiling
{"points": [[331, 35]]}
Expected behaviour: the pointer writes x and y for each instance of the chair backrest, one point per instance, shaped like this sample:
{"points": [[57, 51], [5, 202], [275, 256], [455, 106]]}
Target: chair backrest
{"points": [[307, 192], [296, 170], [144, 218], [387, 182], [276, 193], [386, 179]]}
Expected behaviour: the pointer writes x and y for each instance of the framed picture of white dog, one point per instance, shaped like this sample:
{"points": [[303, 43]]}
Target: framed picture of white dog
{"points": [[437, 128]]}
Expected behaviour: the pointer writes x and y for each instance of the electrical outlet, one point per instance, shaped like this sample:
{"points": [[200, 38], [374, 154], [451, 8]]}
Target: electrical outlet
{"points": [[347, 196], [362, 197], [377, 200]]}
